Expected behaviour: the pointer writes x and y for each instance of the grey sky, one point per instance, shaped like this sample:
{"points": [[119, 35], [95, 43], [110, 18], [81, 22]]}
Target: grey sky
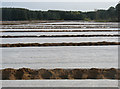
{"points": [[60, 0], [78, 6]]}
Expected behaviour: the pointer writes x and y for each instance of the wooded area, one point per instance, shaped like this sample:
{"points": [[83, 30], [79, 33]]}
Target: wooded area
{"points": [[17, 14]]}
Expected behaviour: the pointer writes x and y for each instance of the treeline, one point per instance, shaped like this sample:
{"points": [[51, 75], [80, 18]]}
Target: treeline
{"points": [[15, 14]]}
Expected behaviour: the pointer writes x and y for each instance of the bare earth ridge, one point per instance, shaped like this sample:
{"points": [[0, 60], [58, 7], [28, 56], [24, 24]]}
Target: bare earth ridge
{"points": [[26, 74], [59, 44]]}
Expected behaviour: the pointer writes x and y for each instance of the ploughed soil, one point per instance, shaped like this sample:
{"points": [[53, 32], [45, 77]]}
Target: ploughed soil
{"points": [[46, 25], [59, 36], [26, 74], [64, 31], [53, 27], [59, 44], [26, 22], [45, 21]]}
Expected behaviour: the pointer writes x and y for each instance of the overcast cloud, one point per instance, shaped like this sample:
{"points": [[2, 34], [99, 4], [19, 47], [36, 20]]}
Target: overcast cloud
{"points": [[76, 6]]}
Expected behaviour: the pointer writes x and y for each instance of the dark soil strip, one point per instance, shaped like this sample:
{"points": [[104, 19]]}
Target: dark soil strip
{"points": [[26, 22], [79, 24], [29, 36], [59, 44], [51, 27], [65, 31], [28, 74]]}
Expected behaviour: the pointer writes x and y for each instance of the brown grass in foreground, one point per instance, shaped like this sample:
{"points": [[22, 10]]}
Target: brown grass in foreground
{"points": [[27, 74]]}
